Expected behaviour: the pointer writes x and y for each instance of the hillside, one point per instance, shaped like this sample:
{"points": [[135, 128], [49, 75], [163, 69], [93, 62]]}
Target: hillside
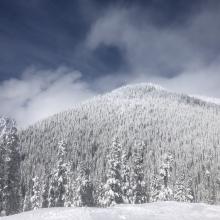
{"points": [[187, 127], [152, 211]]}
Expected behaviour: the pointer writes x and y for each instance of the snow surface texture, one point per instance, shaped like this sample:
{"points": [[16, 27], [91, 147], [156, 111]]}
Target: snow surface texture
{"points": [[150, 211]]}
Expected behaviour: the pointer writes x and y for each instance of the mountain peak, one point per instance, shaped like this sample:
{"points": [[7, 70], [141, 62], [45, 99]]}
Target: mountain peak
{"points": [[139, 90]]}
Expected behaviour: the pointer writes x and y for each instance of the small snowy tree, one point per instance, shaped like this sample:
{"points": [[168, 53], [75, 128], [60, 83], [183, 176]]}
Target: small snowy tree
{"points": [[160, 189], [112, 189], [85, 187], [27, 202], [70, 188], [138, 183], [35, 198], [45, 193], [51, 197], [126, 182], [182, 190]]}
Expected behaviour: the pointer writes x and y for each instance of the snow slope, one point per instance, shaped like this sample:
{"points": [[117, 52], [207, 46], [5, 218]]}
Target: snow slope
{"points": [[150, 211], [166, 122]]}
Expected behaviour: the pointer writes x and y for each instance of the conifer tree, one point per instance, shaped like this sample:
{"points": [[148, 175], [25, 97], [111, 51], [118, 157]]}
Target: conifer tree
{"points": [[71, 188], [52, 197], [2, 159], [126, 181], [161, 190], [182, 191], [85, 187], [45, 193], [138, 183], [11, 190], [27, 203], [112, 189], [59, 179], [35, 198]]}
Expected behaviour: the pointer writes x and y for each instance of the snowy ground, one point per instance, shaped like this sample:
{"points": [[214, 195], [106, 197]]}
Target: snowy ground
{"points": [[151, 211]]}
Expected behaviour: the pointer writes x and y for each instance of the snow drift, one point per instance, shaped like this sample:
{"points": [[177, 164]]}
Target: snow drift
{"points": [[150, 211]]}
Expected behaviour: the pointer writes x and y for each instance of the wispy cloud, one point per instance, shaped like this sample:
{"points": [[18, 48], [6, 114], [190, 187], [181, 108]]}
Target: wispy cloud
{"points": [[40, 93], [182, 58]]}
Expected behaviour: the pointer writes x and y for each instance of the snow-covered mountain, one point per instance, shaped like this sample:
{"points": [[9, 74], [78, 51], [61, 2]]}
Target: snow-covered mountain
{"points": [[152, 211], [187, 127]]}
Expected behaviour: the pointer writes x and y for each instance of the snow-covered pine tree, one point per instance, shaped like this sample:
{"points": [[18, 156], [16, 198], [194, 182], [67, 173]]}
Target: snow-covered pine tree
{"points": [[155, 188], [165, 191], [45, 193], [71, 188], [51, 196], [85, 187], [27, 203], [126, 182], [182, 190], [112, 189], [59, 179], [2, 159], [36, 191], [138, 183], [11, 190]]}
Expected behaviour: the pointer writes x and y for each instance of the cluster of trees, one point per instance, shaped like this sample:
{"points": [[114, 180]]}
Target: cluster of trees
{"points": [[188, 128], [123, 182], [125, 179]]}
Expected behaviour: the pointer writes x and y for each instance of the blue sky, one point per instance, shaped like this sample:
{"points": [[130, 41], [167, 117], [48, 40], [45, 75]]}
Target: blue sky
{"points": [[87, 47]]}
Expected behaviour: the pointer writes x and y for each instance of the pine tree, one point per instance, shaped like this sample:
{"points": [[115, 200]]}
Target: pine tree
{"points": [[161, 190], [59, 179], [45, 193], [182, 190], [155, 188], [138, 183], [126, 182], [51, 197], [112, 189], [71, 188], [35, 198], [11, 190], [85, 187], [2, 159], [27, 203]]}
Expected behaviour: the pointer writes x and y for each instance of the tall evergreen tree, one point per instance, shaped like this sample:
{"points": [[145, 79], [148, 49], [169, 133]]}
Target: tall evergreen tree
{"points": [[126, 180], [161, 190], [59, 179], [45, 193], [2, 160], [27, 203], [85, 187], [138, 183], [36, 194], [113, 187], [182, 190], [11, 190]]}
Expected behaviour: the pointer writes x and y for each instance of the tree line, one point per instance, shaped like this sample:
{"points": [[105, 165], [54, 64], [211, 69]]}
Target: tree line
{"points": [[124, 180]]}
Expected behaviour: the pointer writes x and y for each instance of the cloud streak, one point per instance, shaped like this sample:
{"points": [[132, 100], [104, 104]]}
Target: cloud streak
{"points": [[40, 93]]}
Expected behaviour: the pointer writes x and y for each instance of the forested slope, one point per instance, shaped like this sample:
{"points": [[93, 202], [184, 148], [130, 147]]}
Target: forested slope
{"points": [[166, 122]]}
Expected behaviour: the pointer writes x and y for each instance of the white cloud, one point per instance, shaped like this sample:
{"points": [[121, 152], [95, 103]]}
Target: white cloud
{"points": [[40, 93], [184, 59]]}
